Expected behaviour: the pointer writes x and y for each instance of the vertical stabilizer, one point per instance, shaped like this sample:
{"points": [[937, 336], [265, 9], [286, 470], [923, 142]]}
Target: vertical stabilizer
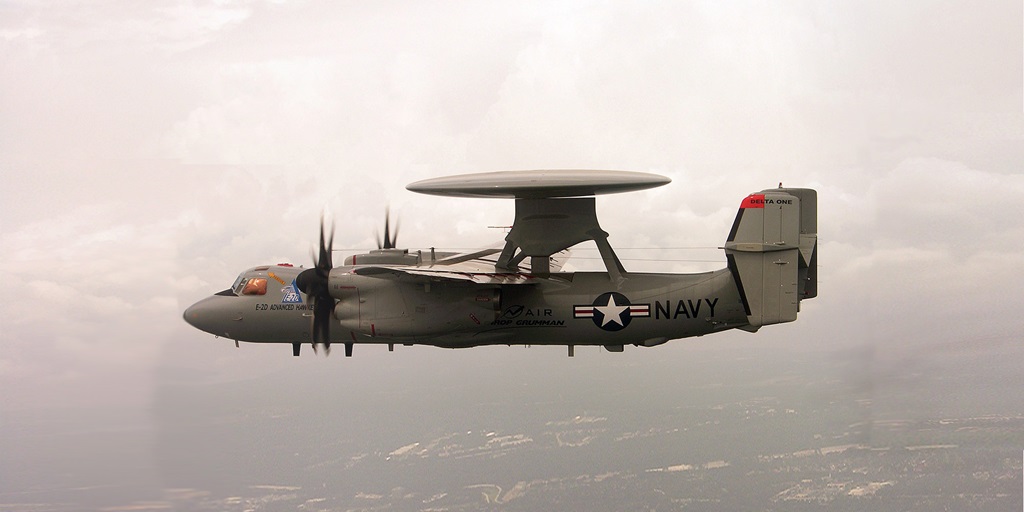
{"points": [[771, 253]]}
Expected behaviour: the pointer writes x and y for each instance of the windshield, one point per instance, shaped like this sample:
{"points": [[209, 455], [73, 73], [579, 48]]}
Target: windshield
{"points": [[250, 286], [239, 282]]}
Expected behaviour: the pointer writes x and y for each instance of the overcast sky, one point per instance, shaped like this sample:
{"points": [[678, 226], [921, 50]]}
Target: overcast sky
{"points": [[152, 150]]}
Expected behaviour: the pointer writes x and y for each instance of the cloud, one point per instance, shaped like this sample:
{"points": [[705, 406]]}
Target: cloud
{"points": [[274, 113], [921, 254], [947, 204], [153, 151]]}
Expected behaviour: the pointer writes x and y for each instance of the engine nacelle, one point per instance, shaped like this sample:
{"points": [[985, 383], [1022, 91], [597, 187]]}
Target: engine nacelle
{"points": [[386, 257], [395, 308]]}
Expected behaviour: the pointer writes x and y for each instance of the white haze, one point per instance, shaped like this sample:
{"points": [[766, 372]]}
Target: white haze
{"points": [[152, 150]]}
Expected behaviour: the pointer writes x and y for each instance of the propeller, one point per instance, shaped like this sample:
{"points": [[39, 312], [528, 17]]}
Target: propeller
{"points": [[314, 283], [389, 241]]}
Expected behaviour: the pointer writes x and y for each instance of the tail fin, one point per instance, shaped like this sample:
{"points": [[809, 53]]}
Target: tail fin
{"points": [[772, 253]]}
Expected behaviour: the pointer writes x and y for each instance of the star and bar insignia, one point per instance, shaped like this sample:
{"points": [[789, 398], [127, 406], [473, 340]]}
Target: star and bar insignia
{"points": [[612, 311]]}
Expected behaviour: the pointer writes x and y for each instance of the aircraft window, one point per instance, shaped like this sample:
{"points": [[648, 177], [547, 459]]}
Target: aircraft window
{"points": [[239, 283], [255, 286]]}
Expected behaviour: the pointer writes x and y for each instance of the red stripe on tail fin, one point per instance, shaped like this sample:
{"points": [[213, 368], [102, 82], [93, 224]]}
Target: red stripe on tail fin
{"points": [[753, 201]]}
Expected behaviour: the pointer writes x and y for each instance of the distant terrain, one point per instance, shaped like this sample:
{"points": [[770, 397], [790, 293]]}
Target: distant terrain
{"points": [[663, 429]]}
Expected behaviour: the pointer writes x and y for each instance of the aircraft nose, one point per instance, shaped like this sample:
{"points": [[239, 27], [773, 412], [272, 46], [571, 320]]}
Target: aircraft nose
{"points": [[197, 314], [193, 313], [214, 314]]}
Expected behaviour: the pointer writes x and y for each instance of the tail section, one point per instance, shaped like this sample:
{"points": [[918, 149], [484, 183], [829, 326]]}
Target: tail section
{"points": [[772, 253]]}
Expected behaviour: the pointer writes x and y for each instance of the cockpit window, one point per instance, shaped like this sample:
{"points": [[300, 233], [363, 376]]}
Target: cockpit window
{"points": [[239, 283], [255, 286]]}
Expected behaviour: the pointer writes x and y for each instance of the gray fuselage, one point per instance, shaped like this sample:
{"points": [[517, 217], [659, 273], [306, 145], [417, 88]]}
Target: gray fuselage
{"points": [[581, 308]]}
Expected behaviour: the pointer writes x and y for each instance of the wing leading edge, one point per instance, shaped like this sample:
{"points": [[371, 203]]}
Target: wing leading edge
{"points": [[476, 267]]}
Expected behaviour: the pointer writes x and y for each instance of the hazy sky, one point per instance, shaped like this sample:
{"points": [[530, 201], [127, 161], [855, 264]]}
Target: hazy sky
{"points": [[152, 150]]}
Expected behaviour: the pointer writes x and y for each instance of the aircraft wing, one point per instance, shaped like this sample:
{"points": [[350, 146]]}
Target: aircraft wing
{"points": [[476, 267], [418, 274], [486, 260]]}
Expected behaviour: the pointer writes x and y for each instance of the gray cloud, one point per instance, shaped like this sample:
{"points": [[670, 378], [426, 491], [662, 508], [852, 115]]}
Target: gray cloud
{"points": [[151, 152]]}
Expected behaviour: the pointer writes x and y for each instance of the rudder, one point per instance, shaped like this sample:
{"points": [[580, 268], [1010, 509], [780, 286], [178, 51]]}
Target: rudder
{"points": [[771, 252]]}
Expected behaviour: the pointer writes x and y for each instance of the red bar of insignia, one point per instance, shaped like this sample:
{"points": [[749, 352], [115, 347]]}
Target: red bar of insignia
{"points": [[753, 201], [641, 310], [583, 312]]}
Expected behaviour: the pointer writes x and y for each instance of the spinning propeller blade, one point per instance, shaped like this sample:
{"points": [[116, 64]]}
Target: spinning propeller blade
{"points": [[389, 241], [314, 283]]}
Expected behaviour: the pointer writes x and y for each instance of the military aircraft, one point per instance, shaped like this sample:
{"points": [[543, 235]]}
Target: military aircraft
{"points": [[498, 296]]}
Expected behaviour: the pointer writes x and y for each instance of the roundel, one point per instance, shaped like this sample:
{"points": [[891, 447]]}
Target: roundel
{"points": [[611, 311]]}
